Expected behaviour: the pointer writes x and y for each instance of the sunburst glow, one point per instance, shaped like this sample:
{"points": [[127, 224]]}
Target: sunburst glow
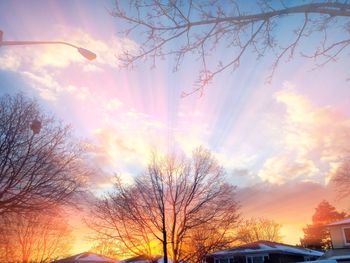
{"points": [[280, 142]]}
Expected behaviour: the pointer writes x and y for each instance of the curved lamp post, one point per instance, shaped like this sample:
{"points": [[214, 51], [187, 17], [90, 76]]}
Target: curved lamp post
{"points": [[84, 52]]}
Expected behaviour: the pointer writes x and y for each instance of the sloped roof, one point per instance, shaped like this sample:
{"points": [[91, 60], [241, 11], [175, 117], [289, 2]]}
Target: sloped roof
{"points": [[86, 257], [140, 258], [143, 258], [340, 222], [339, 253], [263, 246]]}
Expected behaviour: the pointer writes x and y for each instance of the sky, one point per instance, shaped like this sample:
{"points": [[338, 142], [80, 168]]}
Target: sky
{"points": [[279, 142]]}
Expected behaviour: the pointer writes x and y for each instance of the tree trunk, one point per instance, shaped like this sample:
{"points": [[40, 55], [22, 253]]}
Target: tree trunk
{"points": [[165, 250]]}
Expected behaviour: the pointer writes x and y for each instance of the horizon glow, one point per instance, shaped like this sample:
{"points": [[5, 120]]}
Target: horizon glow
{"points": [[280, 142]]}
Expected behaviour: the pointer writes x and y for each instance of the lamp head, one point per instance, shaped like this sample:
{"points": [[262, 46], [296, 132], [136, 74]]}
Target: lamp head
{"points": [[87, 53]]}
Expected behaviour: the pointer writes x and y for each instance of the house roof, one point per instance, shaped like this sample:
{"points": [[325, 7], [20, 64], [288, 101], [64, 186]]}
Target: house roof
{"points": [[263, 246], [339, 253], [86, 257], [140, 258], [340, 222], [144, 258]]}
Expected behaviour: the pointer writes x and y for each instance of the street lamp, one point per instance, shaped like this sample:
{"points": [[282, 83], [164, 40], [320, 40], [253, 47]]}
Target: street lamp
{"points": [[84, 52]]}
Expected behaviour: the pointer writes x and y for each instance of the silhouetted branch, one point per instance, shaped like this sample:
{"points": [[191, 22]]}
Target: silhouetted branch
{"points": [[201, 28], [37, 171], [170, 202]]}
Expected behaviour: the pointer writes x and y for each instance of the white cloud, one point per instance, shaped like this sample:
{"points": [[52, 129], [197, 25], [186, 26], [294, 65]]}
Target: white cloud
{"points": [[127, 138], [44, 66], [311, 136], [234, 161], [9, 60], [113, 104], [333, 167], [282, 168], [44, 83]]}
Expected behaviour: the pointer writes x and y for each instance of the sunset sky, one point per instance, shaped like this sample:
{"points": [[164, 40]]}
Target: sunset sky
{"points": [[279, 142]]}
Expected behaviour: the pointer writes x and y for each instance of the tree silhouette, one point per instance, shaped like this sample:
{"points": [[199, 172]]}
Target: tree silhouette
{"points": [[316, 235], [256, 229], [172, 200], [342, 179], [34, 236], [200, 243], [40, 163], [202, 28]]}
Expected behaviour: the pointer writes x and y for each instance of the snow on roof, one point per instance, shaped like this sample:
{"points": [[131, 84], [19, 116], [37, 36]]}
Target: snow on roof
{"points": [[340, 257], [322, 261], [87, 257], [267, 247], [145, 259], [340, 253], [340, 222], [92, 257]]}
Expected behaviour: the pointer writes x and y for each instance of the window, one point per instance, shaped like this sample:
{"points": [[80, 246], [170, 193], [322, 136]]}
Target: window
{"points": [[223, 260], [256, 259], [346, 232]]}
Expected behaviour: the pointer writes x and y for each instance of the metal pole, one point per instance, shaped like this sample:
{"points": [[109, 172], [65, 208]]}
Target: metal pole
{"points": [[84, 52]]}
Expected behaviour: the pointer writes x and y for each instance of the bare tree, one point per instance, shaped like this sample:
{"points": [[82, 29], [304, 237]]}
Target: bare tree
{"points": [[200, 28], [34, 237], [256, 229], [107, 248], [209, 239], [342, 179], [40, 167], [168, 204]]}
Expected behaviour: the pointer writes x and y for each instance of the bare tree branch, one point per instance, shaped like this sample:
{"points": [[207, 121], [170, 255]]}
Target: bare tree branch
{"points": [[201, 28], [256, 229], [40, 170], [174, 199], [341, 179], [34, 237]]}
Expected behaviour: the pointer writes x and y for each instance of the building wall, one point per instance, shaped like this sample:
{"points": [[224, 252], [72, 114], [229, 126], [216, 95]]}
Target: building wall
{"points": [[337, 236], [280, 258], [268, 258], [209, 259]]}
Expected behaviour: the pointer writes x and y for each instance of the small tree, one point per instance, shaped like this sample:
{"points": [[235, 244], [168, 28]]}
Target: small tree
{"points": [[209, 239], [40, 163], [173, 200], [34, 237], [107, 248], [316, 235], [255, 229]]}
